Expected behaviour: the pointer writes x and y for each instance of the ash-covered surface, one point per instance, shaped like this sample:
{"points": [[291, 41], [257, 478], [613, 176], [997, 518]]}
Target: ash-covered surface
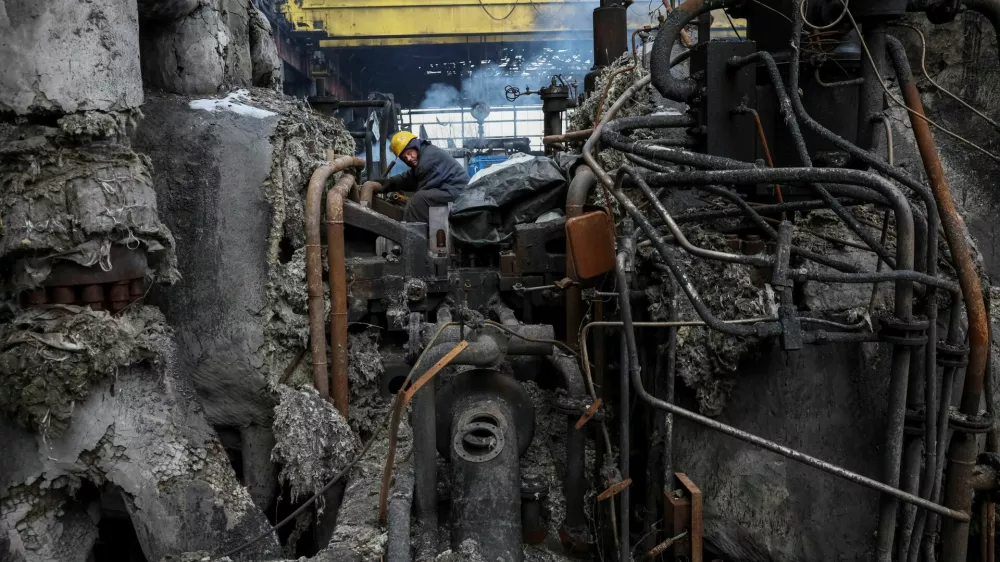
{"points": [[358, 536], [69, 192], [468, 551], [143, 434], [707, 360], [313, 442], [546, 457], [823, 232], [52, 356], [364, 374]]}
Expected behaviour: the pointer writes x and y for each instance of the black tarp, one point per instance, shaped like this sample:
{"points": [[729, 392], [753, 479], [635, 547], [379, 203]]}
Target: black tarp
{"points": [[518, 192]]}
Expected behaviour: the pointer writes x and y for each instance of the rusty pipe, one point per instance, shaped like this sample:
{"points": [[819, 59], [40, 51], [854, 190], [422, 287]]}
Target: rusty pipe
{"points": [[338, 289], [579, 189], [314, 264], [567, 137], [368, 191], [962, 452]]}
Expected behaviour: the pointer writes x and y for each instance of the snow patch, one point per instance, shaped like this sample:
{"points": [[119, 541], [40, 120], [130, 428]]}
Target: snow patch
{"points": [[233, 102]]}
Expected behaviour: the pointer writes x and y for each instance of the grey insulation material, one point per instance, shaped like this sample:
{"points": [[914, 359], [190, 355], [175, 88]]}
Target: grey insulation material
{"points": [[313, 442], [62, 198]]}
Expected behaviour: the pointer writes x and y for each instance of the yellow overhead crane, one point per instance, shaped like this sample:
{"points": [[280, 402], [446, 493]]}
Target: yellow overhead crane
{"points": [[383, 23], [387, 23]]}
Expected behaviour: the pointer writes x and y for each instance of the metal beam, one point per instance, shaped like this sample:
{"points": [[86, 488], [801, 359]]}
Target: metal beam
{"points": [[397, 22]]}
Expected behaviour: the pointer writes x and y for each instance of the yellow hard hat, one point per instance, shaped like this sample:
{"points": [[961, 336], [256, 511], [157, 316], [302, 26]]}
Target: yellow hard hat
{"points": [[399, 141]]}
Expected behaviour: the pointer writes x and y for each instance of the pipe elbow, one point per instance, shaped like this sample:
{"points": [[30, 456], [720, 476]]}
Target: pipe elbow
{"points": [[669, 86], [569, 373], [583, 183], [368, 191]]}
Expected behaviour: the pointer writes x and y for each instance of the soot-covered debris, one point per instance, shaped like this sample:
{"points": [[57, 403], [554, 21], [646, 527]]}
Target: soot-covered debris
{"points": [[707, 360], [51, 356], [364, 375], [313, 442], [62, 200]]}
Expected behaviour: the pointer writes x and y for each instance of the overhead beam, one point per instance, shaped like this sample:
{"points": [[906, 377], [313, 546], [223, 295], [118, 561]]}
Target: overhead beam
{"points": [[347, 23]]}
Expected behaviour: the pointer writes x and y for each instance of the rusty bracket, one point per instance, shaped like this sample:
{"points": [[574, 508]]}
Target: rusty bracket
{"points": [[614, 489], [683, 507], [589, 413]]}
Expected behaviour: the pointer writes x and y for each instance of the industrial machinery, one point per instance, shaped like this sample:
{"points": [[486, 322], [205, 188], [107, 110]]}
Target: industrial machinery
{"points": [[768, 129]]}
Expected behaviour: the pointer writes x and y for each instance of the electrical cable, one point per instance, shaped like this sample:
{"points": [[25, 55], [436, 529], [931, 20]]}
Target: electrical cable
{"points": [[923, 68], [732, 25], [898, 102], [802, 12], [512, 7]]}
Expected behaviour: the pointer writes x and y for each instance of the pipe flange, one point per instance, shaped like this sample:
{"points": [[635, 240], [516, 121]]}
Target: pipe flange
{"points": [[970, 424], [480, 437], [483, 383], [949, 355], [911, 333]]}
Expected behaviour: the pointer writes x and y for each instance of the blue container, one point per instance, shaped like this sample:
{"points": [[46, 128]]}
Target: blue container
{"points": [[482, 162]]}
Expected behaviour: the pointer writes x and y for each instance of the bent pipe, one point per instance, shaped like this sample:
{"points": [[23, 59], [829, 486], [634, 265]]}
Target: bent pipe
{"points": [[338, 289], [678, 89], [870, 158], [622, 143], [782, 450], [792, 124], [763, 330], [963, 449], [989, 9], [367, 193], [679, 237], [574, 481], [483, 352], [576, 197], [314, 266]]}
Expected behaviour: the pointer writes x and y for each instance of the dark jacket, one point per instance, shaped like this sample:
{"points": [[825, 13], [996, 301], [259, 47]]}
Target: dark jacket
{"points": [[436, 169]]}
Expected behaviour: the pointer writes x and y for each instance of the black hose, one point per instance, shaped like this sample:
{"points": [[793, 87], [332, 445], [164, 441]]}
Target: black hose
{"points": [[660, 57]]}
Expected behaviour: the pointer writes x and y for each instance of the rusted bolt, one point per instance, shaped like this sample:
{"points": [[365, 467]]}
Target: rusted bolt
{"points": [[136, 289], [36, 297], [62, 295], [93, 296], [752, 244], [118, 295]]}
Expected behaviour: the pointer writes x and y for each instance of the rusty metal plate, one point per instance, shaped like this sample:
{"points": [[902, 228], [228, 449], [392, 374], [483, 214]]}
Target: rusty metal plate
{"points": [[592, 243]]}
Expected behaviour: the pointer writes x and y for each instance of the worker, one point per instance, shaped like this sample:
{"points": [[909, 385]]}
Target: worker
{"points": [[434, 177]]}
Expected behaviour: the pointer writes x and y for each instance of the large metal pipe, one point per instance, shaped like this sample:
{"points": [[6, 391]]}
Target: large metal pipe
{"points": [[400, 505], [486, 478], [962, 452], [482, 352], [367, 193], [338, 290], [314, 265], [576, 197], [574, 483]]}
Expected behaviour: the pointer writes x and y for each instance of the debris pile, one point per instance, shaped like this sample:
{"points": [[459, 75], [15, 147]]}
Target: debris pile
{"points": [[52, 357], [313, 442], [707, 360]]}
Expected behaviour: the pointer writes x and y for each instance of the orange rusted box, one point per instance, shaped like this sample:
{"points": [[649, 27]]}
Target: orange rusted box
{"points": [[591, 239]]}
